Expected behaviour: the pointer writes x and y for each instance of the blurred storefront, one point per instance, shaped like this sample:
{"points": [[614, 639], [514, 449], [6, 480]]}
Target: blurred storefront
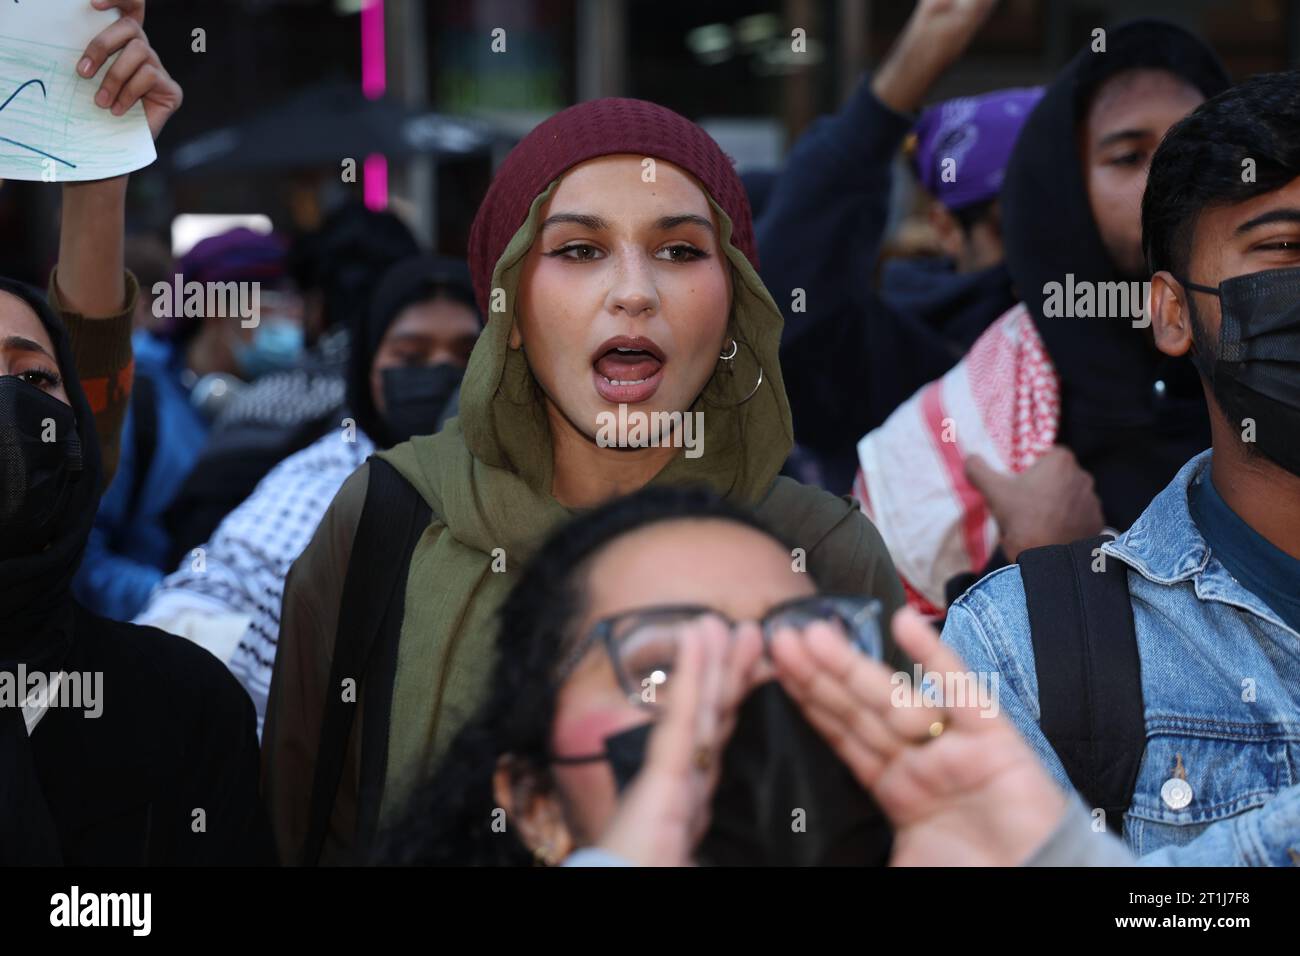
{"points": [[736, 66]]}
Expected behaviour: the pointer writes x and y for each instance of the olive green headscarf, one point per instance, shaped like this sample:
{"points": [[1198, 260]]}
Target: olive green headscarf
{"points": [[487, 479]]}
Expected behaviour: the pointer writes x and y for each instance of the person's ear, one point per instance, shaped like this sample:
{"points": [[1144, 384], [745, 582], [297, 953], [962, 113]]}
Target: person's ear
{"points": [[516, 340], [1171, 323], [947, 230], [533, 809], [985, 248]]}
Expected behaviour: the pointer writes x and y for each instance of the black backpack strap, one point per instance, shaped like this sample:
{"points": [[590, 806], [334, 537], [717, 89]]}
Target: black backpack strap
{"points": [[144, 424], [1089, 672], [370, 619]]}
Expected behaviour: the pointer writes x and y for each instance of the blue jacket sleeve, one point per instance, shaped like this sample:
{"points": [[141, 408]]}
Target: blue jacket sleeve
{"points": [[110, 583], [821, 233]]}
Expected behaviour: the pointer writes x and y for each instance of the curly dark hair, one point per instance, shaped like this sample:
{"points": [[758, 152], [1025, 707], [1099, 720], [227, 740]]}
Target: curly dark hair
{"points": [[448, 819]]}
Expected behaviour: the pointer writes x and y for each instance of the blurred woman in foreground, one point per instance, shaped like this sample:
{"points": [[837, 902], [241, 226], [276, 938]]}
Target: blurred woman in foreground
{"points": [[633, 718]]}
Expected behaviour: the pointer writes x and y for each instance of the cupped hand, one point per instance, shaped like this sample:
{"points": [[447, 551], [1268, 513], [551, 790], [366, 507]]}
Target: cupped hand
{"points": [[959, 784], [665, 810]]}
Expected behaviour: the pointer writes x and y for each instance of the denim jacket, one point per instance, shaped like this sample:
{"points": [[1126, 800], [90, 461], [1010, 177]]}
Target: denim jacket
{"points": [[1220, 688]]}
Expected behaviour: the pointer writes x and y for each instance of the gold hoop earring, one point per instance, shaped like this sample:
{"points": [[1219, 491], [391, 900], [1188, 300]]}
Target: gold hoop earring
{"points": [[544, 855]]}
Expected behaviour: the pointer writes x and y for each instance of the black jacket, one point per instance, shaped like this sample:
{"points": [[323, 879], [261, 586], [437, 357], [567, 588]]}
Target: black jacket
{"points": [[856, 352], [1131, 415], [167, 773]]}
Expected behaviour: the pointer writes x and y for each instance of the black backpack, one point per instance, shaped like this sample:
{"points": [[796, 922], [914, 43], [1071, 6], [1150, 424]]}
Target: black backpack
{"points": [[1089, 672]]}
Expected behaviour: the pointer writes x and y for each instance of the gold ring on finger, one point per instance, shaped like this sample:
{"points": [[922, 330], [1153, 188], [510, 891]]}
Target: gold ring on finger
{"points": [[703, 758]]}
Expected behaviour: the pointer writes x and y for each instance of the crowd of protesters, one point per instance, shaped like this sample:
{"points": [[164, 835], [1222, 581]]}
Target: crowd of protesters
{"points": [[362, 582]]}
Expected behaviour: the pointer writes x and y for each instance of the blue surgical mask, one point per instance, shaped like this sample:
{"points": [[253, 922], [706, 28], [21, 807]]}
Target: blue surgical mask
{"points": [[277, 345]]}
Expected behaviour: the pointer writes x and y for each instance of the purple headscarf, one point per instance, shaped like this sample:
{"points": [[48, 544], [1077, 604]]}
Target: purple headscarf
{"points": [[238, 255], [978, 134]]}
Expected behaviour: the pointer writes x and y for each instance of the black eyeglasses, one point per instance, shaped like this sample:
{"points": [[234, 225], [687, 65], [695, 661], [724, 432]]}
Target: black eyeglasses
{"points": [[642, 644]]}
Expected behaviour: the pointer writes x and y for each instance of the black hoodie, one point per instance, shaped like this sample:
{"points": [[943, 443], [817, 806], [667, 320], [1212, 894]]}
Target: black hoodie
{"points": [[1131, 415], [175, 732], [407, 282]]}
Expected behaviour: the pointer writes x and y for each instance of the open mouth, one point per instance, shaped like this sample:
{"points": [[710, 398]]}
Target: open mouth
{"points": [[628, 369]]}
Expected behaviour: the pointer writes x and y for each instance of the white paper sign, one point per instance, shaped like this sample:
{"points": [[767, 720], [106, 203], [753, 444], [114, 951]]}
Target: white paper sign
{"points": [[50, 128]]}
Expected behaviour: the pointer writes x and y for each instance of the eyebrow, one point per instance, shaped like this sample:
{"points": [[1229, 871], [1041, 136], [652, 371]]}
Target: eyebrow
{"points": [[397, 340], [596, 223], [1273, 215], [1123, 134], [684, 219], [18, 343], [424, 338], [577, 218]]}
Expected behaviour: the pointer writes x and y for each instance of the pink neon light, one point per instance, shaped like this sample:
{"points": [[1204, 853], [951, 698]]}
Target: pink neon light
{"points": [[374, 81], [376, 173], [374, 72]]}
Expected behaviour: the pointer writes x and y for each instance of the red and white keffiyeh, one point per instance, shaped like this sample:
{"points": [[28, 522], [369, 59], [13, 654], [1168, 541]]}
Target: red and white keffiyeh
{"points": [[1001, 402]]}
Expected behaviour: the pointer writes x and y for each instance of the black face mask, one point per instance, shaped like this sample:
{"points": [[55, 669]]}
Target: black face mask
{"points": [[40, 459], [784, 797], [1255, 370], [417, 398]]}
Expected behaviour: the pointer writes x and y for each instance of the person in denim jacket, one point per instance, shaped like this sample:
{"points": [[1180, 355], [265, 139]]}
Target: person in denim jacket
{"points": [[1214, 561]]}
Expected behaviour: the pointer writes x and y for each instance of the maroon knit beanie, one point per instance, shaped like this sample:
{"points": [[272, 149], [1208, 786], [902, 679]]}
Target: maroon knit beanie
{"points": [[583, 132]]}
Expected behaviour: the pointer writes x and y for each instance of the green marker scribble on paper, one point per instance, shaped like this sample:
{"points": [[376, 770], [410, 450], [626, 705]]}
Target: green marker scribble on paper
{"points": [[14, 142], [49, 117]]}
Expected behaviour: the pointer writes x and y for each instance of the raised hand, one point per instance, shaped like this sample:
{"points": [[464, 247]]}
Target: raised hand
{"points": [[91, 273], [960, 787], [950, 25], [137, 75], [665, 811], [935, 36]]}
